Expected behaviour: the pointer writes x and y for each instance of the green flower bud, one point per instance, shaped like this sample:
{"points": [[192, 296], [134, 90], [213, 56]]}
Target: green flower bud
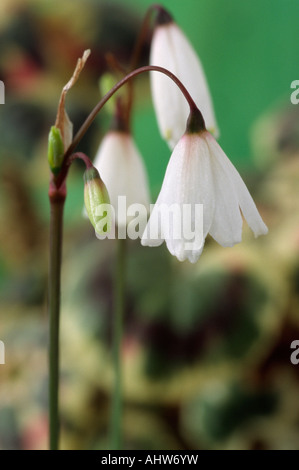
{"points": [[55, 150], [97, 202]]}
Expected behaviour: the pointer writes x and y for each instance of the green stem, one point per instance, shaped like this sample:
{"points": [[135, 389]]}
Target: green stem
{"points": [[116, 415], [56, 220]]}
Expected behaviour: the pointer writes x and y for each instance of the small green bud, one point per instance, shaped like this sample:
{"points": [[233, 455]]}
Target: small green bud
{"points": [[55, 150], [97, 202]]}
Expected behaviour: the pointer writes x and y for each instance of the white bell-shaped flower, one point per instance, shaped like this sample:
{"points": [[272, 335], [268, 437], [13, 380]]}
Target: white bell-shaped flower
{"points": [[199, 174], [122, 169], [171, 49]]}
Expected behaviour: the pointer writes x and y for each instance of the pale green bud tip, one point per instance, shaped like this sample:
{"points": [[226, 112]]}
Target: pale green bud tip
{"points": [[55, 149], [90, 174], [97, 201], [106, 82]]}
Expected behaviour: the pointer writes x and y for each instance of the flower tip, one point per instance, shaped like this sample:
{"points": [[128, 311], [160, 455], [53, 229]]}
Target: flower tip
{"points": [[263, 230], [90, 174], [150, 242], [97, 201], [191, 255], [163, 16]]}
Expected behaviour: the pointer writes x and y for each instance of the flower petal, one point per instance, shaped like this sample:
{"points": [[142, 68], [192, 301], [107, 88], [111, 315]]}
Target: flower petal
{"points": [[226, 227], [122, 170], [182, 254], [152, 235], [245, 200], [169, 102], [191, 73], [172, 50], [187, 182]]}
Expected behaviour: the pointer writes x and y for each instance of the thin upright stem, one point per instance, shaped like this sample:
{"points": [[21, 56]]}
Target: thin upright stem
{"points": [[117, 405], [56, 222], [57, 195]]}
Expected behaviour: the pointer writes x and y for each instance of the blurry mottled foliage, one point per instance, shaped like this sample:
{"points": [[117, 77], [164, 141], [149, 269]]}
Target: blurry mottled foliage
{"points": [[206, 348]]}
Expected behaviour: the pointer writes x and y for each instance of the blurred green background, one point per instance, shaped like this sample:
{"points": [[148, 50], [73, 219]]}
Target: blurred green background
{"points": [[206, 349]]}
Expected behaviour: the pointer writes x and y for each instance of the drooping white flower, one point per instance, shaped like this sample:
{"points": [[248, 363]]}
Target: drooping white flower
{"points": [[199, 173], [171, 49], [95, 197], [121, 168]]}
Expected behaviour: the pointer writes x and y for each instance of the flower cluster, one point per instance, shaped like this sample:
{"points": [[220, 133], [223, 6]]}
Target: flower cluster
{"points": [[199, 174], [202, 193]]}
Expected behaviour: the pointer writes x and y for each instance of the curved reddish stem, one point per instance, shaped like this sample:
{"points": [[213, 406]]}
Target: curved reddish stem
{"points": [[117, 86], [60, 178]]}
